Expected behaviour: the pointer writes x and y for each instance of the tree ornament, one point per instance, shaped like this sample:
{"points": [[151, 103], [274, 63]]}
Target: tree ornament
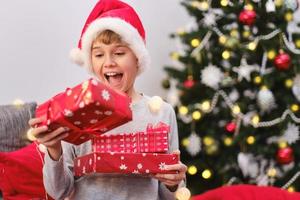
{"points": [[279, 3], [247, 17], [230, 127], [270, 6], [285, 155], [248, 165], [231, 43], [189, 83], [291, 4], [291, 134], [244, 70], [265, 100], [166, 83], [211, 76], [194, 146], [296, 87], [282, 61]]}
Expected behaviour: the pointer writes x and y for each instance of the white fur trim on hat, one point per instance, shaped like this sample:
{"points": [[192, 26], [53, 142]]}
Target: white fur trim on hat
{"points": [[128, 34], [76, 56]]}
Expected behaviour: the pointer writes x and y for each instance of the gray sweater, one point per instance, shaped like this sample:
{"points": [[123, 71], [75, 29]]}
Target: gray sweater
{"points": [[60, 182]]}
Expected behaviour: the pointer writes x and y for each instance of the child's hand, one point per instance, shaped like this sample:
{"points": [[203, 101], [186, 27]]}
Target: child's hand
{"points": [[52, 140], [173, 180]]}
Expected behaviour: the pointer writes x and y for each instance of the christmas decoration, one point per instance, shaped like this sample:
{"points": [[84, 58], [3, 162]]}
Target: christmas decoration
{"points": [[247, 17], [265, 100], [285, 155], [189, 82], [86, 110], [291, 4], [124, 163], [166, 83], [211, 76], [155, 104], [248, 61], [194, 146], [183, 194], [282, 61], [245, 70], [291, 134]]}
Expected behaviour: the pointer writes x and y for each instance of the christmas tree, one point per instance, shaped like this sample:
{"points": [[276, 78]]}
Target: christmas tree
{"points": [[235, 87]]}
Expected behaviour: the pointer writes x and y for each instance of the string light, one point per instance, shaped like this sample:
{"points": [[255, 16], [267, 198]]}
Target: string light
{"points": [[205, 106], [272, 172], [251, 140], [288, 83], [295, 107], [192, 170], [291, 189], [183, 110], [196, 115], [282, 144], [252, 46], [226, 54], [246, 34], [206, 174], [288, 16], [236, 109], [207, 140], [278, 3], [224, 3], [183, 193], [297, 43], [222, 39], [271, 54], [180, 31], [228, 141], [248, 7], [255, 119], [195, 42], [234, 33], [185, 142], [18, 102], [257, 80], [175, 56]]}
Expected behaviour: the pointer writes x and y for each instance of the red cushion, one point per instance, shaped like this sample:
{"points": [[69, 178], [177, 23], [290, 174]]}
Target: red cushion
{"points": [[21, 174], [247, 192]]}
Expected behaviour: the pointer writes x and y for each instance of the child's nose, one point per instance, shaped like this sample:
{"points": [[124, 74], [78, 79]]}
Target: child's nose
{"points": [[109, 62]]}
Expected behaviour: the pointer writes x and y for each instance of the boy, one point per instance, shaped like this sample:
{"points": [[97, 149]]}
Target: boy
{"points": [[112, 48]]}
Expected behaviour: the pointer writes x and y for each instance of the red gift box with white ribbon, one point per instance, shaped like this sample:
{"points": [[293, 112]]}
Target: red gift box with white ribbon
{"points": [[153, 140], [124, 163], [87, 110]]}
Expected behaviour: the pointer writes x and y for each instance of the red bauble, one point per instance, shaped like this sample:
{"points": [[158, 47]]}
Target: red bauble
{"points": [[230, 127], [285, 155], [282, 61], [189, 83], [247, 17]]}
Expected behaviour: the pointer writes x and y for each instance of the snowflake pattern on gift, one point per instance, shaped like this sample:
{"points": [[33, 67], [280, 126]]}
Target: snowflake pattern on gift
{"points": [[68, 113], [139, 166], [123, 167], [105, 95], [162, 166], [135, 171]]}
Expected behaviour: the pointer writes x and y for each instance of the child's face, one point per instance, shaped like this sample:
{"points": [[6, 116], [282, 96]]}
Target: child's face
{"points": [[115, 65]]}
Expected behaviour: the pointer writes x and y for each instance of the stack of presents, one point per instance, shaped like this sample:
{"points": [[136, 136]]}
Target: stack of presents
{"points": [[89, 110]]}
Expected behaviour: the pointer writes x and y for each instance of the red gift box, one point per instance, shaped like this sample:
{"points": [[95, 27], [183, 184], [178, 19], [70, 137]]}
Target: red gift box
{"points": [[87, 110], [153, 140], [124, 163]]}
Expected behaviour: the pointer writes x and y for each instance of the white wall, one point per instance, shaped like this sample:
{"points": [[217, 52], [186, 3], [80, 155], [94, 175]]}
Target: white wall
{"points": [[36, 37]]}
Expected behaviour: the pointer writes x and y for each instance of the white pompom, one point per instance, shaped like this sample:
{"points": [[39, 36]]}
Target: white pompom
{"points": [[155, 104], [183, 194], [76, 56]]}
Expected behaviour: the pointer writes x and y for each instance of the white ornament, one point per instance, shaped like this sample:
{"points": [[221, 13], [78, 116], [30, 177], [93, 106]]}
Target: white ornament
{"points": [[211, 76], [270, 6], [291, 134], [248, 165], [245, 70], [212, 16], [155, 104], [296, 87], [291, 4], [265, 100], [234, 95], [194, 146]]}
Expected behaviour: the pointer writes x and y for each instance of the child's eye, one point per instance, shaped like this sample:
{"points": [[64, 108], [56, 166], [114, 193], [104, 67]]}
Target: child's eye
{"points": [[98, 55], [119, 53]]}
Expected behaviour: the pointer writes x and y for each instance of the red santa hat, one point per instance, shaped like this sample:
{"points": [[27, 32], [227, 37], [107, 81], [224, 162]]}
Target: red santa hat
{"points": [[120, 18]]}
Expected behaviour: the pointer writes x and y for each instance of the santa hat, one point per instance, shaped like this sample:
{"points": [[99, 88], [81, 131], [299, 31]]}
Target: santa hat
{"points": [[120, 18]]}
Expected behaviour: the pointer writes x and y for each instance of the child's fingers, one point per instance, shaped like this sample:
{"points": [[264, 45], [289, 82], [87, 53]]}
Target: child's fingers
{"points": [[176, 167], [34, 121], [36, 132], [51, 135], [56, 139]]}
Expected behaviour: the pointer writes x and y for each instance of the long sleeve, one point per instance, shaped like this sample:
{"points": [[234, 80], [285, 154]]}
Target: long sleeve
{"points": [[57, 175]]}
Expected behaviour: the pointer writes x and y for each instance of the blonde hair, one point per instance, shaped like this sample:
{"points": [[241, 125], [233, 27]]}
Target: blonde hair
{"points": [[108, 37]]}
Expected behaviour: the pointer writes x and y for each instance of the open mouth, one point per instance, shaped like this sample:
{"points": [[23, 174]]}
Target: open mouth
{"points": [[113, 78]]}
